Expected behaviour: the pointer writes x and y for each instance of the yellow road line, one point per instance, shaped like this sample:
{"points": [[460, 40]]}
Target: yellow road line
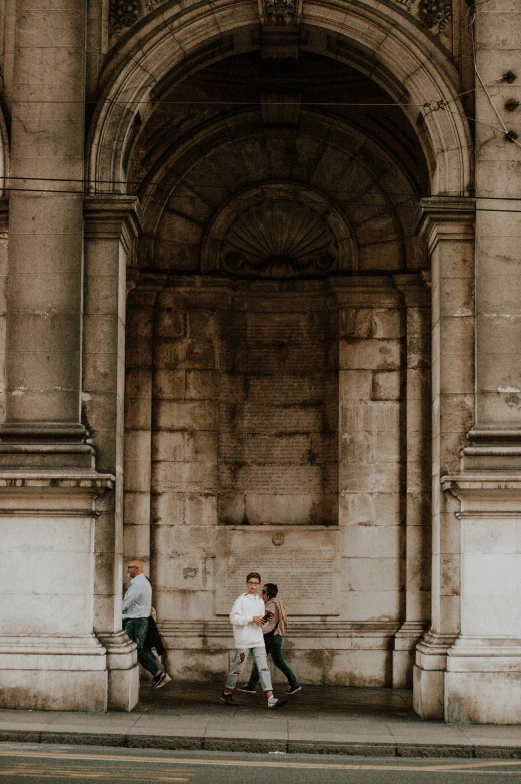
{"points": [[463, 765], [83, 775]]}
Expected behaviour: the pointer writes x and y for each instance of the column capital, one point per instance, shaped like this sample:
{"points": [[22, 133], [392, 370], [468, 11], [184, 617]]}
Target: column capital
{"points": [[485, 492], [415, 288], [116, 217], [446, 217]]}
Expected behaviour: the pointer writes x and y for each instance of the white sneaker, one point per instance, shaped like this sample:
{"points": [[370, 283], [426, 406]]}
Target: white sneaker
{"points": [[276, 703]]}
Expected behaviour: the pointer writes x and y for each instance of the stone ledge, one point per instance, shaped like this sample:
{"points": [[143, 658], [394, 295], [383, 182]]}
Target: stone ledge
{"points": [[299, 628]]}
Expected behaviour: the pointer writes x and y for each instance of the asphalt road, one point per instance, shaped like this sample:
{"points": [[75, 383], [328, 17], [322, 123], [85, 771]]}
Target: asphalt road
{"points": [[67, 764]]}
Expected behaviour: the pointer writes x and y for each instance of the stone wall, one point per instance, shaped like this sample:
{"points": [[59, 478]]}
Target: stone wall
{"points": [[278, 419]]}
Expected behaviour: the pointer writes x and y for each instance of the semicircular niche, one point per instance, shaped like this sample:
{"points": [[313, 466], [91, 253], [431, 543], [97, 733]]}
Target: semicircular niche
{"points": [[278, 231]]}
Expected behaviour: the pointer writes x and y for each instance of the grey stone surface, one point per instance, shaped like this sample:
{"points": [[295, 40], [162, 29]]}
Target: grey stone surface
{"points": [[220, 321], [354, 722]]}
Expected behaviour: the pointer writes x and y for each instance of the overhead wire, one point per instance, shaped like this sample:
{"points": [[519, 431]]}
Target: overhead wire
{"points": [[471, 16], [188, 102], [429, 106]]}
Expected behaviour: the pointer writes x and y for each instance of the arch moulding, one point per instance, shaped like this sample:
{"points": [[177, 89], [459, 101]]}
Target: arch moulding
{"points": [[386, 43]]}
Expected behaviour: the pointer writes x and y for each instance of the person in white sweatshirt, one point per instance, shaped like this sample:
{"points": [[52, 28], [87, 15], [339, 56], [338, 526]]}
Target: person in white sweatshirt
{"points": [[247, 618]]}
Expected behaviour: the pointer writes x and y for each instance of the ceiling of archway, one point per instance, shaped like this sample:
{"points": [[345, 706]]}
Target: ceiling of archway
{"points": [[311, 125]]}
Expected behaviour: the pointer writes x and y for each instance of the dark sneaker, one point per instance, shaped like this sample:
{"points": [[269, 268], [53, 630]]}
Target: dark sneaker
{"points": [[293, 689], [228, 699], [160, 680], [164, 680], [277, 704], [246, 689]]}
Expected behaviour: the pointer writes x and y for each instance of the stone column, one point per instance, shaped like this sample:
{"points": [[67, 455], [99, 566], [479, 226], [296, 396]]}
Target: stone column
{"points": [[44, 291], [447, 225], [111, 223], [483, 679], [418, 461]]}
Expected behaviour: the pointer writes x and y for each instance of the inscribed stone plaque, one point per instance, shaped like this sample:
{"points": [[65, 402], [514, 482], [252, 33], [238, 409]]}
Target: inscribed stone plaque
{"points": [[303, 562]]}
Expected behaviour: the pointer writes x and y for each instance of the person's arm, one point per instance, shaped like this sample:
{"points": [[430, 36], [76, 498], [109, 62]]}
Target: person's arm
{"points": [[130, 598], [238, 616], [273, 621]]}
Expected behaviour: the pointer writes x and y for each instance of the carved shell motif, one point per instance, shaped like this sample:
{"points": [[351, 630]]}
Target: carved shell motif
{"points": [[279, 239]]}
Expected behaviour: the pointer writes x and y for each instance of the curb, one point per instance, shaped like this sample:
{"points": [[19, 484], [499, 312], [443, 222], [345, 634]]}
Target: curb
{"points": [[171, 742]]}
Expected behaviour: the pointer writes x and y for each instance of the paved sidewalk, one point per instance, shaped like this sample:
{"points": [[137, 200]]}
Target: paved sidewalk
{"points": [[319, 719]]}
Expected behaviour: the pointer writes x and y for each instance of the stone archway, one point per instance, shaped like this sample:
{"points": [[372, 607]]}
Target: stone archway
{"points": [[384, 43], [202, 475]]}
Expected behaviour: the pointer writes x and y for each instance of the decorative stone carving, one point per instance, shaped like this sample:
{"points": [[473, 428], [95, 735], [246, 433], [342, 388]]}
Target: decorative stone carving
{"points": [[280, 27], [435, 13], [278, 231], [279, 239], [123, 13], [279, 11]]}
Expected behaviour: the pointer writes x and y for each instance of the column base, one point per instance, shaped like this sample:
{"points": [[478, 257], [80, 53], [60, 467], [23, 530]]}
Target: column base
{"points": [[50, 655], [53, 673], [67, 674], [404, 653], [483, 681], [123, 672], [45, 446], [429, 675]]}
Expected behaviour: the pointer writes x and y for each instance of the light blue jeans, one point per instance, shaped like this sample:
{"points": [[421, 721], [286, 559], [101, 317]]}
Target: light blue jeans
{"points": [[259, 656]]}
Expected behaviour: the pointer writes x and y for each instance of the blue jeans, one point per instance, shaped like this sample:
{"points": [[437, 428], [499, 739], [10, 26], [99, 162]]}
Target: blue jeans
{"points": [[274, 648], [261, 667], [136, 629]]}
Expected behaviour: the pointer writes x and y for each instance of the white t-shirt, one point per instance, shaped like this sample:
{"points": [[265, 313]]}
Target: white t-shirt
{"points": [[246, 633]]}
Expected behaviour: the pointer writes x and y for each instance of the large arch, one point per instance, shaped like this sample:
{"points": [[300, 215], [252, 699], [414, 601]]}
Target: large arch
{"points": [[383, 310], [379, 39]]}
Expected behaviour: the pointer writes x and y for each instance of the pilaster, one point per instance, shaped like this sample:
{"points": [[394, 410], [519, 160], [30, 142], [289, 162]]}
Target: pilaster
{"points": [[447, 224], [138, 422], [111, 225], [4, 224], [418, 511]]}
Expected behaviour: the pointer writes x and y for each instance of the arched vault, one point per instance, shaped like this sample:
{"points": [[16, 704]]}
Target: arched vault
{"points": [[379, 39]]}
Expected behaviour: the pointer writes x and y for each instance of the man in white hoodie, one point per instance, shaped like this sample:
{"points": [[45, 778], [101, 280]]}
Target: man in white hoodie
{"points": [[247, 619]]}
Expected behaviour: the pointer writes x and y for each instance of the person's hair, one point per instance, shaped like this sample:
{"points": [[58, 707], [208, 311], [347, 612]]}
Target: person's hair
{"points": [[253, 574], [272, 590]]}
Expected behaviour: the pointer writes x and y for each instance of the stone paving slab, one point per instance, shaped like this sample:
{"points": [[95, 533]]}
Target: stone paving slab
{"points": [[318, 720]]}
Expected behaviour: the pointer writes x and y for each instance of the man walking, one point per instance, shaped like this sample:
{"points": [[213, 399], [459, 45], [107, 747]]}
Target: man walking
{"points": [[137, 605], [247, 617]]}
